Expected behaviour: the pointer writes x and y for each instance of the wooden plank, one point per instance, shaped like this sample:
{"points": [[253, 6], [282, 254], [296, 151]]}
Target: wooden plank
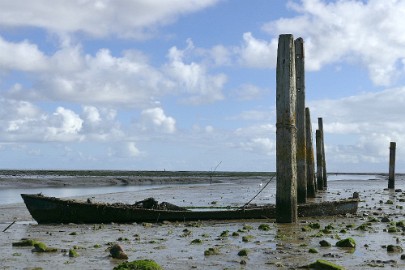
{"points": [[286, 190], [391, 176], [319, 162], [311, 183], [300, 119], [324, 173]]}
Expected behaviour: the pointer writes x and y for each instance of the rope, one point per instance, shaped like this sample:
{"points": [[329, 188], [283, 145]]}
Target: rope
{"points": [[254, 197]]}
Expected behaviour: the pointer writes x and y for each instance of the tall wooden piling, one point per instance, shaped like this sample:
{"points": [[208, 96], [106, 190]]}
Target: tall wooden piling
{"points": [[324, 174], [391, 176], [311, 184], [286, 190], [300, 121], [319, 160]]}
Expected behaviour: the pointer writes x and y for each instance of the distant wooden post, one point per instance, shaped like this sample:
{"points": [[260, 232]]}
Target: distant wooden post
{"points": [[324, 174], [391, 176], [286, 190], [300, 118], [311, 184], [319, 160]]}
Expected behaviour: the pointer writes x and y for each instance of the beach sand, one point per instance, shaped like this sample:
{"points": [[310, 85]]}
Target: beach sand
{"points": [[284, 246]]}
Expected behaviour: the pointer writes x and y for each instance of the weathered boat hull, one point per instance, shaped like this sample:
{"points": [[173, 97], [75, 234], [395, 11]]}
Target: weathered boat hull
{"points": [[54, 210]]}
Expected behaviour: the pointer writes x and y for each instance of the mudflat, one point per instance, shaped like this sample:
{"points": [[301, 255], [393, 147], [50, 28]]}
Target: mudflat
{"points": [[379, 223]]}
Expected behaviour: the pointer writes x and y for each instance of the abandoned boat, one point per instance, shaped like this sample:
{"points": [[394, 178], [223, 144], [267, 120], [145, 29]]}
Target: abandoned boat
{"points": [[55, 210]]}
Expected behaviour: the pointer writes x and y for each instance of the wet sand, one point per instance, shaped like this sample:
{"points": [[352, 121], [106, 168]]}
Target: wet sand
{"points": [[284, 246]]}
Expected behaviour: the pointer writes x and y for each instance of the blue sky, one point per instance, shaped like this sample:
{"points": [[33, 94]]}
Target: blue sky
{"points": [[184, 85]]}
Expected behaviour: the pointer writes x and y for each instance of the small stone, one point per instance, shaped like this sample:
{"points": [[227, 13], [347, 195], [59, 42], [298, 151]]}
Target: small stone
{"points": [[348, 242], [393, 248], [385, 219], [324, 243], [117, 252]]}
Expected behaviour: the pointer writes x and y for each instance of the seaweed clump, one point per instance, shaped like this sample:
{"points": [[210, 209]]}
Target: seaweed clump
{"points": [[323, 264], [139, 265]]}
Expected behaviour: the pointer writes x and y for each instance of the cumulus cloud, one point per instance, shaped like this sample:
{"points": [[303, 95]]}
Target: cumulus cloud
{"points": [[128, 79], [131, 19], [352, 31], [23, 56], [193, 78], [257, 53], [248, 92], [358, 126], [66, 126], [155, 118]]}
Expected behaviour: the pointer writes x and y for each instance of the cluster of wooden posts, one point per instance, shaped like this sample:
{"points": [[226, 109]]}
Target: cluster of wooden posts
{"points": [[296, 176], [296, 180]]}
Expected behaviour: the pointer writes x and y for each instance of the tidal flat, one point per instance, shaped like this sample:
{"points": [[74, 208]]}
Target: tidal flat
{"points": [[378, 226]]}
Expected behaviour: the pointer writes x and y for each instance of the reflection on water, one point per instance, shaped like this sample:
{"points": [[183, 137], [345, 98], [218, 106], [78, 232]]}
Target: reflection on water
{"points": [[340, 177], [8, 196]]}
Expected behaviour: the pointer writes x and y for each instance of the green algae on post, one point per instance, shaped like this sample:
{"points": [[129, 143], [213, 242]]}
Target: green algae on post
{"points": [[139, 265]]}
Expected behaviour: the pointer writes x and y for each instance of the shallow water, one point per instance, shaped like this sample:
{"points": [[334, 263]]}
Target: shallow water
{"points": [[12, 195]]}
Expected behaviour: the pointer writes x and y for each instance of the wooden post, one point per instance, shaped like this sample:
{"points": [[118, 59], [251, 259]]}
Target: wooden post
{"points": [[324, 174], [286, 190], [311, 184], [300, 118], [319, 162], [391, 176]]}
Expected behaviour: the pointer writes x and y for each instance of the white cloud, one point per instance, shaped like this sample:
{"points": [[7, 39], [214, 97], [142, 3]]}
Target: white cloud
{"points": [[22, 56], [257, 53], [65, 126], [352, 31], [129, 80], [133, 150], [259, 145], [156, 118], [358, 126], [100, 79], [193, 78], [248, 92], [127, 18], [124, 150]]}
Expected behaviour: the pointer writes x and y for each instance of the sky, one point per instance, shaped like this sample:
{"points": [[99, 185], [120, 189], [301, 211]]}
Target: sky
{"points": [[190, 84]]}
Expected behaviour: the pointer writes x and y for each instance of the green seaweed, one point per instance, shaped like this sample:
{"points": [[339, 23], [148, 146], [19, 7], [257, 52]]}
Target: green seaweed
{"points": [[139, 265], [196, 241], [73, 253], [247, 238], [348, 242], [24, 243], [264, 227], [211, 251], [41, 247], [325, 265]]}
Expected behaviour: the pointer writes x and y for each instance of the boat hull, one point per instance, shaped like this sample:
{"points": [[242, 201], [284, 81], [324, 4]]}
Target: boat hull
{"points": [[47, 210]]}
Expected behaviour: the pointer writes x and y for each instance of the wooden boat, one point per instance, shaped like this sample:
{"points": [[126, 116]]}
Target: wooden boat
{"points": [[55, 210]]}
